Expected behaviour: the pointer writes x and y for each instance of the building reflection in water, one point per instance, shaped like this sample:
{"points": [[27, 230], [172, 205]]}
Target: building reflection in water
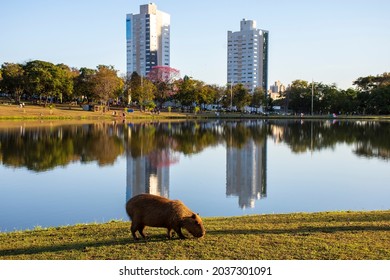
{"points": [[245, 163], [246, 175], [148, 173], [143, 176]]}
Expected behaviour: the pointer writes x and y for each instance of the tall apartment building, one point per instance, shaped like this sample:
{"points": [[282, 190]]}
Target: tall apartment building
{"points": [[247, 56], [147, 39]]}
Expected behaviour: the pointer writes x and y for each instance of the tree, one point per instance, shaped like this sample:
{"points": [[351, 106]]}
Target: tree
{"points": [[299, 96], [83, 84], [209, 94], [327, 98], [219, 93], [141, 90], [238, 96], [163, 77], [147, 94], [378, 102], [258, 97], [373, 94], [65, 76], [48, 80], [350, 100], [133, 86], [186, 91], [12, 79], [241, 96], [371, 82], [39, 78], [106, 84]]}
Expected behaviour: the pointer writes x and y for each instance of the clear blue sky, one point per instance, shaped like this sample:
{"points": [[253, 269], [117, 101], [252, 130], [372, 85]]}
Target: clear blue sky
{"points": [[330, 41]]}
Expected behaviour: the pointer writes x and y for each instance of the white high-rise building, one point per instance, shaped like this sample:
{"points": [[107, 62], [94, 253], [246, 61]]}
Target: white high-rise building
{"points": [[147, 39], [247, 57]]}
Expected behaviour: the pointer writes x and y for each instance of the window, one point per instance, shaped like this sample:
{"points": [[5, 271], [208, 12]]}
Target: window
{"points": [[128, 29]]}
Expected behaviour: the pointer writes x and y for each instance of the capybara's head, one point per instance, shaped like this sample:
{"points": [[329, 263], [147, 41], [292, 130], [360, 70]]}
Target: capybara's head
{"points": [[194, 225]]}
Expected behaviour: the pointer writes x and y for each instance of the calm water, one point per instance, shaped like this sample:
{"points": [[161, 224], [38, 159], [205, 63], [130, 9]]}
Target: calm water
{"points": [[59, 175]]}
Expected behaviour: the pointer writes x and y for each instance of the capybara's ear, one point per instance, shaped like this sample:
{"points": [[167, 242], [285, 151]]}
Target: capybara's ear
{"points": [[193, 216]]}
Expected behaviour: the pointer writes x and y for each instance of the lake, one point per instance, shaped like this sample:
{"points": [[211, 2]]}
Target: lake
{"points": [[53, 174]]}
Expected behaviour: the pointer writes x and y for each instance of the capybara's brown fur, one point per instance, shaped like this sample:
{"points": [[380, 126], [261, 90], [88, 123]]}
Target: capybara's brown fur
{"points": [[157, 211]]}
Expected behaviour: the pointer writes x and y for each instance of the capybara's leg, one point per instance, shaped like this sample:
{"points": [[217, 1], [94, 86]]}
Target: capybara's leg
{"points": [[133, 229], [178, 231], [169, 233], [141, 231]]}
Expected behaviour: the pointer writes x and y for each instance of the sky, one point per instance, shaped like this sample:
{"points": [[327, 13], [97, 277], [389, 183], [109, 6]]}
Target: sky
{"points": [[328, 41]]}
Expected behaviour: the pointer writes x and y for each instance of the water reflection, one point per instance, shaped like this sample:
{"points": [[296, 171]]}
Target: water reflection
{"points": [[220, 167], [153, 148], [42, 148], [246, 163], [46, 147], [369, 138], [148, 173], [246, 173]]}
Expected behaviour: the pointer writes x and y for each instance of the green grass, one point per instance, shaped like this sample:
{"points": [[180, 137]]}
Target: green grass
{"points": [[64, 112], [317, 236]]}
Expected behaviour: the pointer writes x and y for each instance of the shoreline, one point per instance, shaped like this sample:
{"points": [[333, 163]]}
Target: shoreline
{"points": [[39, 113], [292, 214]]}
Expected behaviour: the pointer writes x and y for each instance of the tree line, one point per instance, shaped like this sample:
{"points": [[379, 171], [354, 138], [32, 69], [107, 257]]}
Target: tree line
{"points": [[371, 95], [45, 81], [48, 82], [41, 80]]}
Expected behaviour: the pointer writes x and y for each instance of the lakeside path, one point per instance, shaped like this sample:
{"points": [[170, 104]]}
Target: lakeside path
{"points": [[299, 236]]}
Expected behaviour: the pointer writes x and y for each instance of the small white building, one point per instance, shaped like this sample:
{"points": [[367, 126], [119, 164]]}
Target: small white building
{"points": [[276, 89]]}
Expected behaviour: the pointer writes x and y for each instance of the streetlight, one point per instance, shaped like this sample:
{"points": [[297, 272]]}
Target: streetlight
{"points": [[312, 96], [231, 95]]}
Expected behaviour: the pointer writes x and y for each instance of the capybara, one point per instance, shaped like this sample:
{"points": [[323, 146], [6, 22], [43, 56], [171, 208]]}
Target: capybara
{"points": [[157, 211]]}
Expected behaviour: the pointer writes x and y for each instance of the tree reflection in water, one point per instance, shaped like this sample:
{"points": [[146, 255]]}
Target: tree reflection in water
{"points": [[46, 147]]}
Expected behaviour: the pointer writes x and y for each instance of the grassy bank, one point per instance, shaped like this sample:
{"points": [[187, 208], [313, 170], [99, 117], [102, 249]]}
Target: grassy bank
{"points": [[34, 112], [330, 235], [66, 112]]}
